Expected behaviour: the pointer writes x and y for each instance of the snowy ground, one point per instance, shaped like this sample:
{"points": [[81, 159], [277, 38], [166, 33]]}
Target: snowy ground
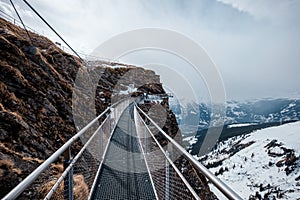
{"points": [[251, 169]]}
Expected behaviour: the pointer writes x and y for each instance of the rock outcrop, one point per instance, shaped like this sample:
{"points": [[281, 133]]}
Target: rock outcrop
{"points": [[36, 87], [35, 107], [37, 82]]}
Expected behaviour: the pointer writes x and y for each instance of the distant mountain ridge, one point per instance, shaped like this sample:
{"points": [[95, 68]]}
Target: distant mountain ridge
{"points": [[257, 111]]}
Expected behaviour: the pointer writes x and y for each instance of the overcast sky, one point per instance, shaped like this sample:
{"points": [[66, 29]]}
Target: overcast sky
{"points": [[254, 43]]}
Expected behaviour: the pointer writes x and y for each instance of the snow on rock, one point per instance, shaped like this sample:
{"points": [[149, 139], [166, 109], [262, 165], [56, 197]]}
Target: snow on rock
{"points": [[266, 164], [130, 89], [114, 65], [191, 140], [277, 150], [193, 112], [240, 125]]}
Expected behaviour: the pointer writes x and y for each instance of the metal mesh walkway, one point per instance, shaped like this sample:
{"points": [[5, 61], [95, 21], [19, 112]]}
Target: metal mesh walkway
{"points": [[124, 173], [128, 163]]}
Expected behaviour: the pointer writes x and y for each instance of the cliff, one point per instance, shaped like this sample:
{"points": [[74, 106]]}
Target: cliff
{"points": [[36, 87]]}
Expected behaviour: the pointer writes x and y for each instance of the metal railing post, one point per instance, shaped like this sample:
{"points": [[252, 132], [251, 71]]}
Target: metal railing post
{"points": [[145, 141], [167, 193], [101, 138], [110, 123], [68, 181]]}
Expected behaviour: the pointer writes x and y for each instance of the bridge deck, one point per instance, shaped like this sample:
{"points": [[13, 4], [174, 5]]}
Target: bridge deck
{"points": [[124, 173]]}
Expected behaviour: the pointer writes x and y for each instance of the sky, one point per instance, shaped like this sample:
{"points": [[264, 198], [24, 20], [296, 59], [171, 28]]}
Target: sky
{"points": [[254, 44]]}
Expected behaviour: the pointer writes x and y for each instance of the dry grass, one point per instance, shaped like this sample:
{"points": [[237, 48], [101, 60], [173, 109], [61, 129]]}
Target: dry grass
{"points": [[8, 165], [33, 159], [15, 72], [17, 115], [80, 189], [25, 158], [2, 107], [59, 168]]}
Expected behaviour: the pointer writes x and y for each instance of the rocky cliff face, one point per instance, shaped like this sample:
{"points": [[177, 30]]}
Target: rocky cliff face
{"points": [[35, 106], [36, 87]]}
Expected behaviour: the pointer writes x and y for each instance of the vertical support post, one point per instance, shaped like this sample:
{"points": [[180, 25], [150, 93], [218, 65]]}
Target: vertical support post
{"points": [[146, 139], [109, 121], [68, 181], [167, 192], [112, 119], [101, 136]]}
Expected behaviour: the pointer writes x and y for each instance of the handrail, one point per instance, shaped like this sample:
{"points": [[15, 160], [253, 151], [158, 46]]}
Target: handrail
{"points": [[228, 192], [171, 162], [14, 193], [100, 166], [64, 174], [143, 152], [103, 158]]}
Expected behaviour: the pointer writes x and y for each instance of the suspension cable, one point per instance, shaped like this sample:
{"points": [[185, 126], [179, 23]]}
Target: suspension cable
{"points": [[11, 18], [21, 22], [52, 29]]}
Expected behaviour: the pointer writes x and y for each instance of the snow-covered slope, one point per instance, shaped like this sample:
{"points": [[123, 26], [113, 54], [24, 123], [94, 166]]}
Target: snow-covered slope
{"points": [[263, 163]]}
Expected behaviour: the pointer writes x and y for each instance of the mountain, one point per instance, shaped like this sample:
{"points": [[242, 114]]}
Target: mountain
{"points": [[192, 116], [37, 84], [262, 111], [36, 87], [263, 164]]}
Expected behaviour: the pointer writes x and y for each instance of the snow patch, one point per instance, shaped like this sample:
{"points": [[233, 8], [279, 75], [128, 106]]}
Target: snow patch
{"points": [[253, 169], [240, 125]]}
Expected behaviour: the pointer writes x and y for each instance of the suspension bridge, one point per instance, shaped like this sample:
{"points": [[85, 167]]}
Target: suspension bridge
{"points": [[121, 158]]}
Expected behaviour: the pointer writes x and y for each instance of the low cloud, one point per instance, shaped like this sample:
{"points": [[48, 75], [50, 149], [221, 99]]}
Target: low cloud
{"points": [[254, 44]]}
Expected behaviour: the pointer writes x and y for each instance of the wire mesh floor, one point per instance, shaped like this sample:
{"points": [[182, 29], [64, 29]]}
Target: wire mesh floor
{"points": [[124, 173]]}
